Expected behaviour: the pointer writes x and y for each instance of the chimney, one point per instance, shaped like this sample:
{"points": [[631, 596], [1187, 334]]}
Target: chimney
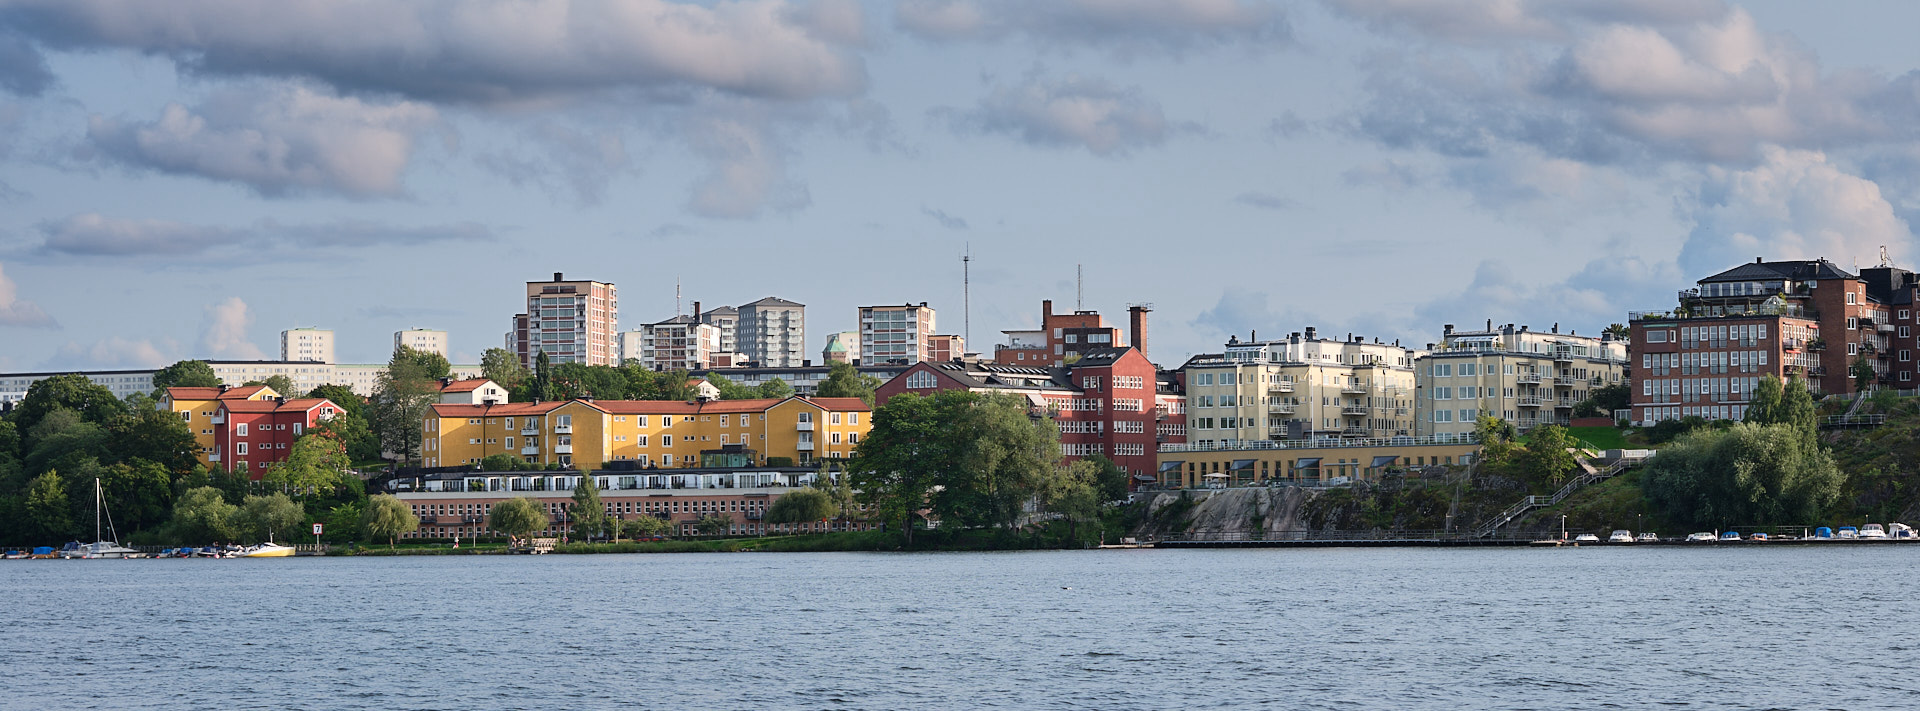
{"points": [[1310, 331], [696, 312], [558, 277], [225, 387], [1489, 324], [1446, 329], [445, 382], [1046, 311], [1137, 327], [1758, 260], [1556, 327]]}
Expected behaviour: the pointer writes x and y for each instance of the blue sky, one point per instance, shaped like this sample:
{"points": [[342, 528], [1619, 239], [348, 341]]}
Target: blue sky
{"points": [[186, 179]]}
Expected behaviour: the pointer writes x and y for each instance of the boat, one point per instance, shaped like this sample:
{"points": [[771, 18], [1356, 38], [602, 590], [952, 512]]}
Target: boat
{"points": [[1872, 532], [1822, 534], [265, 550], [101, 547], [1701, 537], [1758, 537], [1902, 532], [1586, 538], [1847, 533], [1621, 536], [1730, 536], [1647, 538]]}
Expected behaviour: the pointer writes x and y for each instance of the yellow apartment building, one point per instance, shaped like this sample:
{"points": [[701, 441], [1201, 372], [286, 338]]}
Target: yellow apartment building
{"points": [[588, 434], [200, 409]]}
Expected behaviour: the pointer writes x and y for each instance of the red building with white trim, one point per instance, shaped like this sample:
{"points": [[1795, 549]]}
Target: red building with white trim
{"points": [[250, 434]]}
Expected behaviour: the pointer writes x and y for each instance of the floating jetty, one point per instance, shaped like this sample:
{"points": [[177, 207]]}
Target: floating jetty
{"points": [[1442, 539]]}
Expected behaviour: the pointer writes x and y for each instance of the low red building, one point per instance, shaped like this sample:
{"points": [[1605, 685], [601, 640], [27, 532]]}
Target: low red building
{"points": [[250, 434]]}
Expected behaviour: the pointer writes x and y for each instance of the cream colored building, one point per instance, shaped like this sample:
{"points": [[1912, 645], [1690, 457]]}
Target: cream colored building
{"points": [[895, 335], [1300, 387], [574, 321], [422, 339], [308, 345], [1526, 377]]}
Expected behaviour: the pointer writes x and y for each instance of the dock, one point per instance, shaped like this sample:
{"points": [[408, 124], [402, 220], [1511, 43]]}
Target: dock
{"points": [[1455, 539]]}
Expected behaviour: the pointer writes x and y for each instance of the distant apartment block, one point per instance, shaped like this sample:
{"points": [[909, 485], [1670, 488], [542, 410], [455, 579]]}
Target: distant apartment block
{"points": [[842, 347], [943, 348], [422, 339], [772, 333], [1061, 338], [725, 318], [1300, 387], [677, 343], [895, 335], [570, 321], [312, 345], [1526, 377]]}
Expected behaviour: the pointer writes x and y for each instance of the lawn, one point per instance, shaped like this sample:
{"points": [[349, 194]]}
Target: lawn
{"points": [[1601, 437]]}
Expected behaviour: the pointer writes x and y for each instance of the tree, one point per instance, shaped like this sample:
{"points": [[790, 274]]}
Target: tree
{"points": [[387, 516], [139, 493], [424, 364], [1546, 455], [1075, 494], [588, 514], [1602, 401], [1861, 370], [713, 524], [844, 380], [403, 395], [185, 374], [775, 389], [350, 429], [270, 516], [202, 515], [674, 384], [1747, 474], [1798, 410], [1619, 331], [342, 396], [280, 384], [93, 402], [503, 463], [48, 509], [502, 366], [646, 527], [1766, 406], [317, 467], [730, 390], [897, 464], [156, 436], [62, 437], [517, 517], [974, 459], [801, 506], [1496, 436], [838, 488], [1109, 480], [543, 377]]}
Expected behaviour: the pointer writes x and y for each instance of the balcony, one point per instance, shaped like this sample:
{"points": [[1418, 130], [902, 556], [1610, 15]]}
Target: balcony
{"points": [[1885, 328], [563, 449], [1562, 355], [1532, 378], [804, 446], [1529, 402], [1280, 409], [804, 426], [213, 457], [563, 429], [530, 430], [1281, 387], [219, 419], [1565, 403], [1563, 381], [1353, 389], [1355, 432], [1356, 411], [530, 450]]}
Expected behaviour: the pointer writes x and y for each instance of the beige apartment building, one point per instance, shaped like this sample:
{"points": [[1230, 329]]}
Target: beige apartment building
{"points": [[681, 342], [570, 321], [306, 345], [1300, 387], [422, 339], [895, 335], [1526, 377]]}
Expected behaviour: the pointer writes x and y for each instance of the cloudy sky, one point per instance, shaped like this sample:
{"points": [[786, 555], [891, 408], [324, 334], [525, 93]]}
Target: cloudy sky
{"points": [[188, 178]]}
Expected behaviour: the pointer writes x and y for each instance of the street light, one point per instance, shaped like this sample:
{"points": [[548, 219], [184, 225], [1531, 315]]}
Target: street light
{"points": [[1563, 527]]}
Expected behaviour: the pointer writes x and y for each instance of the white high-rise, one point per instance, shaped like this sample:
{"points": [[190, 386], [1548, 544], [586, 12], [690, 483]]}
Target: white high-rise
{"points": [[422, 339], [312, 345], [772, 332]]}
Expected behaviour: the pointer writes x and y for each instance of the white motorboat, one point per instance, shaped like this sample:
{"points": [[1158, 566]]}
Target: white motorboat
{"points": [[102, 547], [1620, 536], [1702, 537], [1586, 538], [1847, 533], [1901, 532], [1647, 538], [264, 550], [1872, 532]]}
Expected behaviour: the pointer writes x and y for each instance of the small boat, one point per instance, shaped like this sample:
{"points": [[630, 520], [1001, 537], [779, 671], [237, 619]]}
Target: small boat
{"points": [[1647, 538], [265, 550], [101, 548], [1901, 532], [1822, 534], [1702, 537], [1847, 533], [1620, 536], [1758, 537], [1873, 532], [14, 555], [1730, 536], [1586, 538]]}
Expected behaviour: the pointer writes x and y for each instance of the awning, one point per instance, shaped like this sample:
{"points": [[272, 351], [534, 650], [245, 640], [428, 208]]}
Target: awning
{"points": [[1384, 461], [1305, 462], [1146, 477], [1170, 466], [1239, 464], [1215, 475]]}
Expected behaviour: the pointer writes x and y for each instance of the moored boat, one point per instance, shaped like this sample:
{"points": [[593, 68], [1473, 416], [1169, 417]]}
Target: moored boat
{"points": [[1872, 532]]}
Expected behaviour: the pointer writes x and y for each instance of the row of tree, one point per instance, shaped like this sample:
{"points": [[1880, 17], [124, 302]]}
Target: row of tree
{"points": [[1770, 469], [547, 382]]}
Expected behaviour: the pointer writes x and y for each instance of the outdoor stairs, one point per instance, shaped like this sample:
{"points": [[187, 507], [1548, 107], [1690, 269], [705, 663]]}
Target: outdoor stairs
{"points": [[1589, 475]]}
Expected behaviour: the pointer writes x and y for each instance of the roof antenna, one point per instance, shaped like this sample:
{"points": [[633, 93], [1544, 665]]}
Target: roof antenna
{"points": [[1079, 288], [1885, 260], [966, 293], [676, 298]]}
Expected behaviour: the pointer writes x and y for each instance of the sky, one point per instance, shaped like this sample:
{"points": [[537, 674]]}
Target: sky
{"points": [[189, 178]]}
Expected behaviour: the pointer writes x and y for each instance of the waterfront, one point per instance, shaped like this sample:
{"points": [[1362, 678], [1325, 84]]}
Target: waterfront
{"points": [[1793, 627]]}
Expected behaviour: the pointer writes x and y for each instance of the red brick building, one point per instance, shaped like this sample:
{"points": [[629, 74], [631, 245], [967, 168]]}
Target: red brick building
{"points": [[251, 434], [1112, 401], [1061, 336]]}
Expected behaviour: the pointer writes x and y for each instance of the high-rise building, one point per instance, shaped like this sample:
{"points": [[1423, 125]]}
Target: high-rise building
{"points": [[571, 321], [1062, 337], [772, 333], [943, 348], [1526, 377], [895, 334], [1301, 387], [313, 345], [422, 339], [725, 318], [678, 343], [842, 347]]}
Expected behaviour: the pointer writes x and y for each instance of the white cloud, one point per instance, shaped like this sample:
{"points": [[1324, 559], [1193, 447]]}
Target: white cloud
{"points": [[223, 333], [110, 353], [1600, 293], [1793, 205], [1076, 112], [15, 311], [747, 169], [92, 235], [276, 139], [1123, 26]]}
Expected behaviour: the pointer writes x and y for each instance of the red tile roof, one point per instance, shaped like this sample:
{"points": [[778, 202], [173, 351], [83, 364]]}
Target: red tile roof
{"points": [[503, 410], [183, 393], [259, 406], [464, 386]]}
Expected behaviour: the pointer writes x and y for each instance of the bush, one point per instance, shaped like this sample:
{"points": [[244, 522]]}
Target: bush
{"points": [[779, 461]]}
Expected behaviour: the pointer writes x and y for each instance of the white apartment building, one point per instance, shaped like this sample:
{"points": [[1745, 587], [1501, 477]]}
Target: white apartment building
{"points": [[896, 335], [772, 333], [14, 386], [312, 345], [725, 318], [1526, 377], [571, 321], [680, 342], [1301, 387], [422, 339], [306, 375]]}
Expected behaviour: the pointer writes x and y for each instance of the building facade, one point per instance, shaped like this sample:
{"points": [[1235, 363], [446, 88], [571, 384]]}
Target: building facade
{"points": [[842, 347], [895, 335], [1255, 463], [199, 408], [942, 348], [727, 319], [1526, 377], [458, 503], [1301, 387], [589, 434], [772, 333], [570, 321], [306, 345], [425, 340], [681, 342]]}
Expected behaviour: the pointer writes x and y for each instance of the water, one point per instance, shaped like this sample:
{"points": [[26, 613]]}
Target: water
{"points": [[1785, 627]]}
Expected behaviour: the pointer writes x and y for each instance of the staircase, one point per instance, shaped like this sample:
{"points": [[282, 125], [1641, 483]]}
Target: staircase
{"points": [[1590, 475]]}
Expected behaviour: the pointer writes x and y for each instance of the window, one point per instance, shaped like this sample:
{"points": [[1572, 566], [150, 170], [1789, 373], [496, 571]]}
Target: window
{"points": [[1852, 298], [186, 415], [921, 380], [240, 448], [240, 429], [1852, 323], [640, 421], [836, 418], [666, 441], [296, 429], [853, 418]]}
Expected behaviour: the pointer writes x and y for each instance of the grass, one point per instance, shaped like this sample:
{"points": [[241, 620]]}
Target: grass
{"points": [[1600, 437]]}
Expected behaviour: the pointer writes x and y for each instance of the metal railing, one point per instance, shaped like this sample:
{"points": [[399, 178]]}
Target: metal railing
{"points": [[1317, 443], [1378, 534], [1533, 502]]}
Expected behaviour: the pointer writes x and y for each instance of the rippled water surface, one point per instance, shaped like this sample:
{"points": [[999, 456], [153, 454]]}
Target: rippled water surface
{"points": [[1789, 627]]}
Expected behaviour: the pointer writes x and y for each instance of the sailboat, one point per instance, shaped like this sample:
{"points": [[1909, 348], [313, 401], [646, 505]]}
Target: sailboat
{"points": [[265, 550], [101, 548]]}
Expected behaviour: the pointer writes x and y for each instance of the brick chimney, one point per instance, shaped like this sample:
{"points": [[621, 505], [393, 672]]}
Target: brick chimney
{"points": [[1046, 312], [1137, 327]]}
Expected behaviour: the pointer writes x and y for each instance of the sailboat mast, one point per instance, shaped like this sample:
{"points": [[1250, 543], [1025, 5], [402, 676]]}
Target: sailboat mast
{"points": [[97, 498]]}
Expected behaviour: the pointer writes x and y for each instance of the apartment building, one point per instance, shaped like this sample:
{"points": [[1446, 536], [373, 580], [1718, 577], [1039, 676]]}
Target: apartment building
{"points": [[1061, 337], [1807, 319], [842, 347], [14, 386], [1258, 463], [895, 335], [805, 379], [772, 333], [727, 319], [1301, 387], [307, 345], [588, 434], [681, 342], [570, 321], [425, 340], [1112, 402], [945, 347], [1517, 374], [200, 409]]}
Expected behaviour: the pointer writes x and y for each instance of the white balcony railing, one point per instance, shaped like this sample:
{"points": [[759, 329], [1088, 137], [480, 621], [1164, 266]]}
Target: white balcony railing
{"points": [[563, 429], [531, 449], [1282, 387], [563, 449], [1280, 409], [804, 427], [1355, 411], [805, 446]]}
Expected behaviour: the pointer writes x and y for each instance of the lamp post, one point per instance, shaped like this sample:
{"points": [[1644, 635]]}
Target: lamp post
{"points": [[1563, 527]]}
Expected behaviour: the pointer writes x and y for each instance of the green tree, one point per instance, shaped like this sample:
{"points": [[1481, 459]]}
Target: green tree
{"points": [[386, 516], [1602, 401], [801, 506], [94, 403], [350, 429], [185, 374], [676, 384], [898, 463], [343, 522], [139, 493], [49, 510], [1799, 411], [502, 366], [1109, 479], [1074, 493], [589, 516], [1619, 331], [542, 382], [317, 467], [1005, 457], [774, 389], [838, 488], [1748, 474], [1498, 448], [713, 525], [503, 463], [62, 436], [517, 517], [403, 395], [1766, 405], [341, 396], [1861, 370], [156, 436], [1547, 456], [274, 516], [202, 515], [646, 527], [423, 364], [844, 380], [730, 390], [281, 385]]}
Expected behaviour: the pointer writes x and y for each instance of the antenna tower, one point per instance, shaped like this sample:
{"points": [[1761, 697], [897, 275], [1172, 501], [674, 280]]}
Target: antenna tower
{"points": [[1079, 288], [676, 297], [966, 293]]}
